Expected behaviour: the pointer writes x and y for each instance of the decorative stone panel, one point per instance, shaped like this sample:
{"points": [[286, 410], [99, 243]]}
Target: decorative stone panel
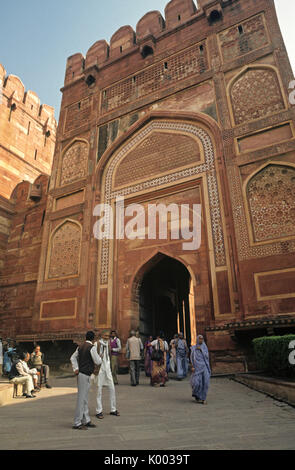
{"points": [[271, 198], [64, 251], [175, 151], [207, 167], [246, 250], [191, 61], [74, 163], [256, 94]]}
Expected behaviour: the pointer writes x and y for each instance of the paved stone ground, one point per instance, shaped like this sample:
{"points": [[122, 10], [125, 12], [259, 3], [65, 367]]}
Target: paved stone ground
{"points": [[236, 418]]}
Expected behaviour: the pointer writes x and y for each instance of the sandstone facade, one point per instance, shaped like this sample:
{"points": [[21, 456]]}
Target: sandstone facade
{"points": [[192, 108]]}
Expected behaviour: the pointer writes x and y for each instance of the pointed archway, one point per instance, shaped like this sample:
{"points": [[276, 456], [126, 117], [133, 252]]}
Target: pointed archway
{"points": [[164, 299]]}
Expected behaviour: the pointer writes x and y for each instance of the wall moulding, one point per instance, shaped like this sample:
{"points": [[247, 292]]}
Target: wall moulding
{"points": [[277, 284], [265, 138], [60, 309]]}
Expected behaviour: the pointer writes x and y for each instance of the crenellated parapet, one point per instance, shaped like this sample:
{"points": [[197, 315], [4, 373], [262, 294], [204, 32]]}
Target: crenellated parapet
{"points": [[122, 40], [151, 24], [97, 54], [75, 67], [27, 134], [14, 94], [2, 74], [149, 29], [179, 11]]}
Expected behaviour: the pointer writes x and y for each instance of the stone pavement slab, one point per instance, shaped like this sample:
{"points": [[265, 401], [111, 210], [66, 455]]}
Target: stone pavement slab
{"points": [[236, 418]]}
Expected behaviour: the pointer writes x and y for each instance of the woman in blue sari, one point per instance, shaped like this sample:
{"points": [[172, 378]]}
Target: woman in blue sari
{"points": [[201, 371]]}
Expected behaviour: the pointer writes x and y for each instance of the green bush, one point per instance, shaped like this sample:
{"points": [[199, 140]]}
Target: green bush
{"points": [[272, 355]]}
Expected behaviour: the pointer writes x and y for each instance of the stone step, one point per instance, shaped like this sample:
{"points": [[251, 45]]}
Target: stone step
{"points": [[283, 390], [6, 393]]}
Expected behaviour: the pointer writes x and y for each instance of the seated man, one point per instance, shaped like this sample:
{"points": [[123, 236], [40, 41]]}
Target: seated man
{"points": [[18, 375], [37, 361], [24, 369]]}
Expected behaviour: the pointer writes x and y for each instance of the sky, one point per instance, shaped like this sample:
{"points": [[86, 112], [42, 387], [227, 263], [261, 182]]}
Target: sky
{"points": [[37, 37]]}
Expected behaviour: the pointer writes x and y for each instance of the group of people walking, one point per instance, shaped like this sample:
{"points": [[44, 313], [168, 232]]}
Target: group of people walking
{"points": [[96, 362], [159, 359]]}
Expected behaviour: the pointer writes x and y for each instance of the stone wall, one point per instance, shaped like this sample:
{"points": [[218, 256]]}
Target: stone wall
{"points": [[27, 134]]}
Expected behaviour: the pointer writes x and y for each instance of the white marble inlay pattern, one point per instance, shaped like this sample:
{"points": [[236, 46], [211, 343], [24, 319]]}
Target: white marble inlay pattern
{"points": [[207, 167]]}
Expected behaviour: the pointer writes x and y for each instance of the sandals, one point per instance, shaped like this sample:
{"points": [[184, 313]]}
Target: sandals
{"points": [[82, 427], [113, 413]]}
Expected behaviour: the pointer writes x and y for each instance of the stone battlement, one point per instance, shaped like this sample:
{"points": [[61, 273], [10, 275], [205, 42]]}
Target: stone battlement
{"points": [[27, 134], [13, 91], [149, 29]]}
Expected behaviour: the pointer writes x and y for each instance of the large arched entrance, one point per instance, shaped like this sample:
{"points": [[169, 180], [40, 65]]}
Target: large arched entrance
{"points": [[141, 169], [164, 300]]}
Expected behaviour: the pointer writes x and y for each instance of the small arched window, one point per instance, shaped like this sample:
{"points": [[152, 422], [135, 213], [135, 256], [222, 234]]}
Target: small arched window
{"points": [[215, 16], [146, 51]]}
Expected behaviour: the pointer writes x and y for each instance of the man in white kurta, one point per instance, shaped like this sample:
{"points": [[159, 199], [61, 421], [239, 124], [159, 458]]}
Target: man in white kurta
{"points": [[105, 378], [26, 370]]}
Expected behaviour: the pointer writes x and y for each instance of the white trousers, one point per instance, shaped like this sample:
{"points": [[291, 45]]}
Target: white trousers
{"points": [[105, 379], [82, 411], [172, 363], [26, 381], [33, 373]]}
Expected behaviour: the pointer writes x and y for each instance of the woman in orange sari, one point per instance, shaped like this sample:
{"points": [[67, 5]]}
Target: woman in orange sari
{"points": [[159, 374]]}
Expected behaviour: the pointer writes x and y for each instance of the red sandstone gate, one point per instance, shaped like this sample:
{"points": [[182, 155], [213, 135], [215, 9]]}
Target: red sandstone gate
{"points": [[165, 159]]}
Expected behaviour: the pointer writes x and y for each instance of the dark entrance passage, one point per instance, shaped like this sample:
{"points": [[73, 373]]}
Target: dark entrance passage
{"points": [[164, 300]]}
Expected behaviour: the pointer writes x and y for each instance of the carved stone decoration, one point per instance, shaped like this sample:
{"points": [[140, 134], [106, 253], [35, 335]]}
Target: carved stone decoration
{"points": [[208, 168], [246, 250], [255, 94], [271, 199], [192, 61], [74, 163], [176, 151], [64, 251]]}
